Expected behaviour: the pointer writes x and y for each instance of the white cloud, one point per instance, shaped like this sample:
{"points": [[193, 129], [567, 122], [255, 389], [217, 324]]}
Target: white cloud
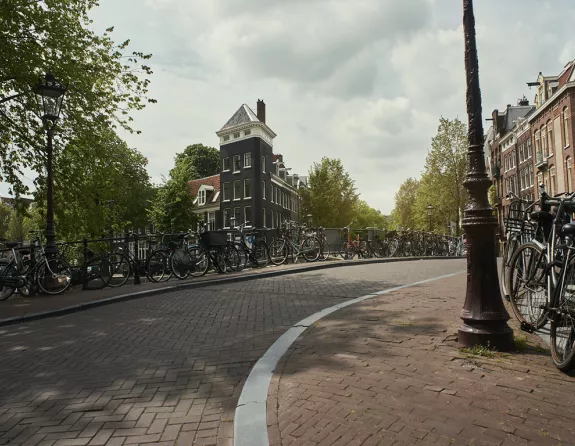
{"points": [[365, 80]]}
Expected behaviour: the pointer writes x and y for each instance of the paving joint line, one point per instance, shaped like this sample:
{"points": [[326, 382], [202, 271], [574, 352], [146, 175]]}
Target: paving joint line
{"points": [[206, 283], [250, 421]]}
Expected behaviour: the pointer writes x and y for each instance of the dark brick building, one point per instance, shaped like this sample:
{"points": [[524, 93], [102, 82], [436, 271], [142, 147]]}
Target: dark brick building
{"points": [[254, 184]]}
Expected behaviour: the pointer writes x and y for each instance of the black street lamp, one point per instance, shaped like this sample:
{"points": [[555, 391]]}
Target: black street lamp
{"points": [[50, 97], [429, 214], [484, 315]]}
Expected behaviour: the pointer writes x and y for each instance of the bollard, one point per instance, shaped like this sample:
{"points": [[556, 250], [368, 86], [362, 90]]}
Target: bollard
{"points": [[136, 260], [85, 264]]}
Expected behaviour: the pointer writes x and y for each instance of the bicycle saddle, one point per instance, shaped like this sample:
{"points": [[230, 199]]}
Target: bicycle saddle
{"points": [[11, 245], [541, 215]]}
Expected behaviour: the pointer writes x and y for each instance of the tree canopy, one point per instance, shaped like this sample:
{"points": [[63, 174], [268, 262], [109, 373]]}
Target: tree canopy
{"points": [[441, 183], [199, 161], [331, 194], [105, 80]]}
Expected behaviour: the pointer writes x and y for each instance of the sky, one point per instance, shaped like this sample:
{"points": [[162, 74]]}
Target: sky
{"points": [[365, 81]]}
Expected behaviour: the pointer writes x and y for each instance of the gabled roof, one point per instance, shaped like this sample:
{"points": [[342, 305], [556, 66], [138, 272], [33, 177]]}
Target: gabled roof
{"points": [[213, 181], [244, 115]]}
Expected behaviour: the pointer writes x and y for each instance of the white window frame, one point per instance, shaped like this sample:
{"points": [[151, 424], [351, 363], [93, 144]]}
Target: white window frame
{"points": [[240, 190], [237, 135], [238, 222], [247, 156], [239, 163], [264, 217], [202, 197], [264, 189], [247, 132], [247, 181], [246, 219], [225, 214], [263, 166], [227, 158], [211, 221], [226, 197]]}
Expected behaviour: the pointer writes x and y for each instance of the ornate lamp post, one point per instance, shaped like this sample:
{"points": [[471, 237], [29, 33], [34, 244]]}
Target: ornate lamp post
{"points": [[484, 315], [429, 214], [50, 97]]}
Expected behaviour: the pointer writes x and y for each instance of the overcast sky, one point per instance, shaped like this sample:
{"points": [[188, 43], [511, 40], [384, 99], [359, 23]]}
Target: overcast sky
{"points": [[361, 80]]}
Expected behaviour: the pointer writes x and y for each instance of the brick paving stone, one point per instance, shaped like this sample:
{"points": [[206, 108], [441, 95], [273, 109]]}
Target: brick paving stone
{"points": [[173, 362], [389, 371]]}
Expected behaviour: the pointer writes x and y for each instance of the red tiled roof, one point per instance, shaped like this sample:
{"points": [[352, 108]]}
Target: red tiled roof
{"points": [[194, 185]]}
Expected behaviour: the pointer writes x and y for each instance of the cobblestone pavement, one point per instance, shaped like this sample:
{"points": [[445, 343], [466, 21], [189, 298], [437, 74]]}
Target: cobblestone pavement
{"points": [[164, 369], [388, 371]]}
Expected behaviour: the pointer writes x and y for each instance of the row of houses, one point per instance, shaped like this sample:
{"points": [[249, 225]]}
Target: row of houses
{"points": [[532, 143], [254, 185]]}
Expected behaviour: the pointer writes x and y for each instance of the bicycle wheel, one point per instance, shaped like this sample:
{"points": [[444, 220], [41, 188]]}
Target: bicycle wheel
{"points": [[323, 249], [392, 247], [181, 263], [261, 253], [562, 329], [527, 281], [157, 267], [200, 261], [6, 270], [508, 251], [232, 258], [310, 248], [54, 276], [115, 269], [278, 252]]}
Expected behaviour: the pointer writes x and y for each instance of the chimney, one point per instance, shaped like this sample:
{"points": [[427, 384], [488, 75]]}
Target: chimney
{"points": [[523, 101], [261, 111]]}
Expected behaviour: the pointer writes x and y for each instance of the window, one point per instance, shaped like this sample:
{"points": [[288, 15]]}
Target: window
{"points": [[529, 152], [264, 189], [237, 165], [201, 197], [263, 163], [553, 183], [247, 188], [550, 142], [247, 132], [226, 218], [521, 153], [248, 216], [568, 174], [237, 190], [531, 175], [544, 141], [537, 142], [263, 217], [226, 164], [248, 159], [227, 196], [522, 180], [566, 126], [227, 138], [237, 215], [276, 195], [539, 178], [273, 188], [237, 135], [211, 221]]}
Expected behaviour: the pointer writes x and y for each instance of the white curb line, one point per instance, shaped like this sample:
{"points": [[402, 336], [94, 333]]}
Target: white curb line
{"points": [[250, 423]]}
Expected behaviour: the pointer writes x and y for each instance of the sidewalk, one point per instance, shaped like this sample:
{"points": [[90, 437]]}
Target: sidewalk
{"points": [[388, 371], [18, 306]]}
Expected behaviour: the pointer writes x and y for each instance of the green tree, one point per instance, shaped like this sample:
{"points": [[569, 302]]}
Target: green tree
{"points": [[98, 189], [199, 161], [441, 183], [105, 81], [5, 217], [171, 207], [403, 215], [365, 216], [331, 195]]}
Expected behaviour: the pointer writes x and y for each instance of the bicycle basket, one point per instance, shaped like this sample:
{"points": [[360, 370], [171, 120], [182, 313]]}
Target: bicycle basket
{"points": [[214, 238]]}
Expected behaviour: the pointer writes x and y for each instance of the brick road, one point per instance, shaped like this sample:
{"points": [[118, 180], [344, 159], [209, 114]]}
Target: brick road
{"points": [[388, 371], [165, 369]]}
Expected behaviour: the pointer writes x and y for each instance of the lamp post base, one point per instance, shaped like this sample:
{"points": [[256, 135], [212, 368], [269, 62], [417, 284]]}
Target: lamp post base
{"points": [[497, 336]]}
